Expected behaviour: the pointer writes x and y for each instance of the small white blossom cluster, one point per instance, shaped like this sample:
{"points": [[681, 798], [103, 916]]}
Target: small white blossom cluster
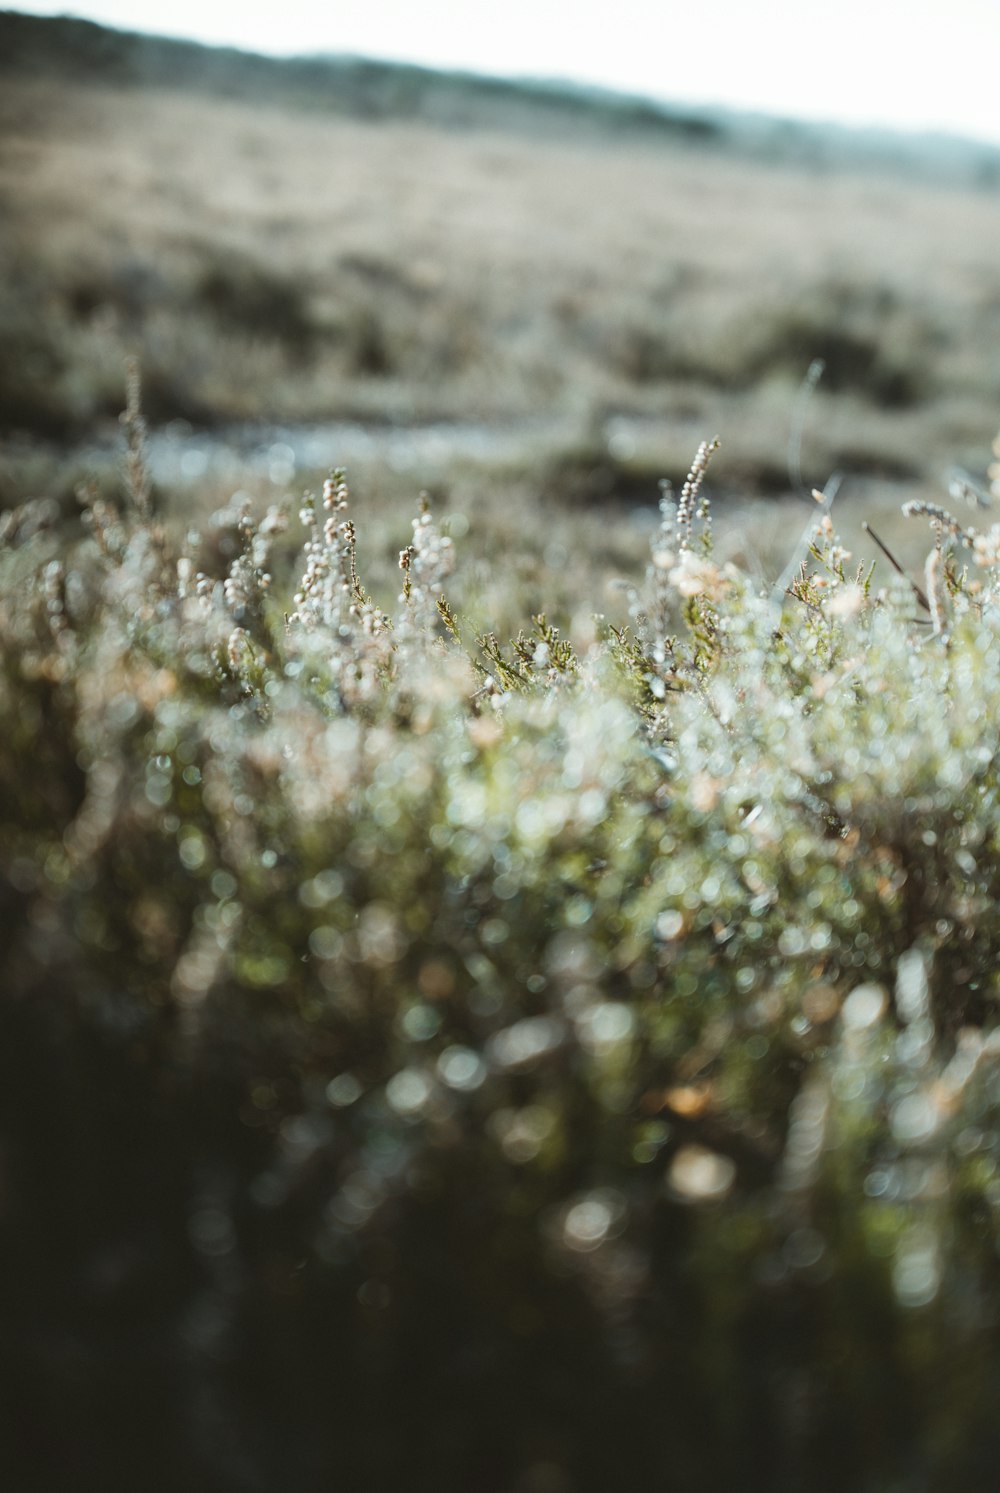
{"points": [[689, 506], [249, 579], [697, 575], [433, 554], [675, 567], [941, 519], [986, 547], [331, 601], [324, 595], [425, 563]]}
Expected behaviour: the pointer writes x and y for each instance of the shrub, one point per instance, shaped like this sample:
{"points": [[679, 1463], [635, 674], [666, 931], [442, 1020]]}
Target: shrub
{"points": [[435, 1063]]}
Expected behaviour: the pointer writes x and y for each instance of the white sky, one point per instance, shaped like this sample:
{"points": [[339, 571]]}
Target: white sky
{"points": [[923, 64]]}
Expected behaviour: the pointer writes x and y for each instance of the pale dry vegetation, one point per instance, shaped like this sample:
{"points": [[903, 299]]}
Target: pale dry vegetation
{"points": [[268, 264], [513, 1010]]}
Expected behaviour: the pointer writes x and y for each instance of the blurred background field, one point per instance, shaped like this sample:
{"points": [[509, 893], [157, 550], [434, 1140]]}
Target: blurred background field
{"points": [[528, 300]]}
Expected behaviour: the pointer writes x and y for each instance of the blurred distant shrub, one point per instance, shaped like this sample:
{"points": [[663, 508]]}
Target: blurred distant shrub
{"points": [[873, 343], [257, 300], [435, 1063], [869, 339]]}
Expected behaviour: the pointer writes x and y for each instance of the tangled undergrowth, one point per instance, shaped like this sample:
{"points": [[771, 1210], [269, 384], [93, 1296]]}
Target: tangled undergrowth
{"points": [[438, 1063]]}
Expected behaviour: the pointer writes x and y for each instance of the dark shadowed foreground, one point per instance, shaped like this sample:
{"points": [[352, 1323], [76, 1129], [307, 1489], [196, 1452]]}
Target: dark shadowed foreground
{"points": [[435, 1063]]}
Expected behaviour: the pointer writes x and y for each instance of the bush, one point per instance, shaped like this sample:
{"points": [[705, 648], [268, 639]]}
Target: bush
{"points": [[439, 1064]]}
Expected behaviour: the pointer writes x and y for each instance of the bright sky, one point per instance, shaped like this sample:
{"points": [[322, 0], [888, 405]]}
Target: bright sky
{"points": [[912, 64]]}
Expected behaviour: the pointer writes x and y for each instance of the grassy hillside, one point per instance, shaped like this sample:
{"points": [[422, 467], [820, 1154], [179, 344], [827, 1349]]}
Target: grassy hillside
{"points": [[319, 240], [74, 50]]}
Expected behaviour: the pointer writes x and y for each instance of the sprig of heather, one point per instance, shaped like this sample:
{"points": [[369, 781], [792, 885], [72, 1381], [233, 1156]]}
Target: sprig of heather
{"points": [[335, 621], [426, 563]]}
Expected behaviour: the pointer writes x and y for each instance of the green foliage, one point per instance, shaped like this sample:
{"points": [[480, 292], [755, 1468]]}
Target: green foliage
{"points": [[428, 1062]]}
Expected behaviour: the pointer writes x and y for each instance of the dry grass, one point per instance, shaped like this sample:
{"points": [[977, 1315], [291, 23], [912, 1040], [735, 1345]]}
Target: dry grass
{"points": [[404, 270], [627, 299]]}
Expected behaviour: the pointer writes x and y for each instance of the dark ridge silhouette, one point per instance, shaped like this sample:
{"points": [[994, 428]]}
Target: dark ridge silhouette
{"points": [[63, 47]]}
